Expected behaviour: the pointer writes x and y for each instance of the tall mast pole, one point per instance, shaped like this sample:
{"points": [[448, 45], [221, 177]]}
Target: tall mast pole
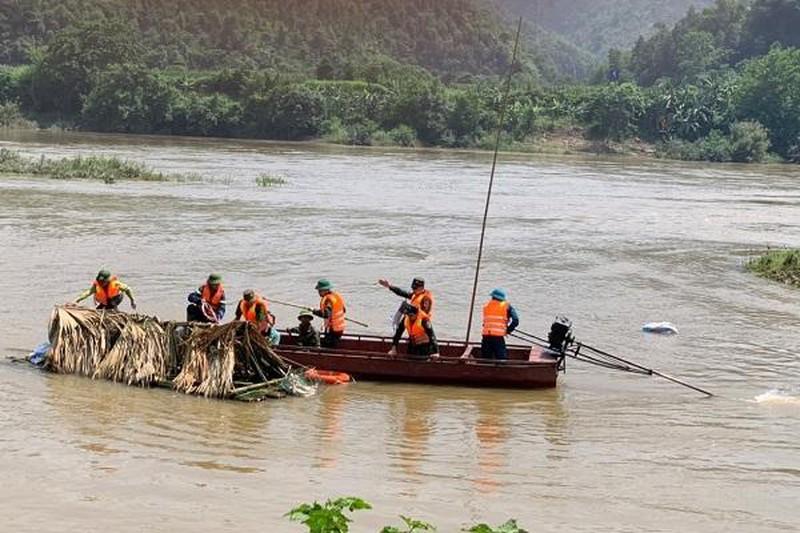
{"points": [[500, 124]]}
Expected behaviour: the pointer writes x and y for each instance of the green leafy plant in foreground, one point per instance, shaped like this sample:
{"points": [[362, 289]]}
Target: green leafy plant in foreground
{"points": [[411, 526], [329, 517], [509, 527]]}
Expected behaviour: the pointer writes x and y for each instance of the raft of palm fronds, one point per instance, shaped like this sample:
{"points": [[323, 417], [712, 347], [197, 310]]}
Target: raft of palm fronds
{"points": [[229, 361]]}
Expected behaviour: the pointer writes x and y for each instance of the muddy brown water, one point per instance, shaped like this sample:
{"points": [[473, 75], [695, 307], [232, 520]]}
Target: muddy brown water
{"points": [[610, 243]]}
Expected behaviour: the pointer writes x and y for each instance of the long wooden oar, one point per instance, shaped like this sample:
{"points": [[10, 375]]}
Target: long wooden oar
{"points": [[644, 369], [307, 308]]}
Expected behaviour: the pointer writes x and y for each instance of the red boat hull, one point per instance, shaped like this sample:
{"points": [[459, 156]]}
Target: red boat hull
{"points": [[365, 358]]}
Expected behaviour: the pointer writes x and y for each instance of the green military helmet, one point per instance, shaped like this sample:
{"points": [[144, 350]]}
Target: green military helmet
{"points": [[214, 279], [305, 314], [104, 275], [499, 294], [324, 285]]}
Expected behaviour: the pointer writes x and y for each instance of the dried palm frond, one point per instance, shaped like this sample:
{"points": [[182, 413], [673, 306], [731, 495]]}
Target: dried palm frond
{"points": [[79, 342], [213, 355], [209, 362], [140, 350], [138, 357]]}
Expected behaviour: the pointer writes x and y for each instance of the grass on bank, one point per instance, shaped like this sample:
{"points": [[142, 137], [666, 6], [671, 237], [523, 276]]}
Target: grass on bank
{"points": [[778, 265], [106, 169]]}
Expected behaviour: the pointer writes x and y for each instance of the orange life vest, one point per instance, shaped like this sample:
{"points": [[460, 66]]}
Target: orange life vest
{"points": [[416, 301], [214, 299], [495, 319], [249, 312], [416, 333], [103, 295], [336, 321]]}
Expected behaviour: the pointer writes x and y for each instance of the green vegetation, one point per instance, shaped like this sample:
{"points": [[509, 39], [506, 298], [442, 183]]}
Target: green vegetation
{"points": [[326, 39], [329, 517], [721, 85], [106, 169], [333, 516], [600, 25], [716, 38], [12, 117], [778, 265], [411, 526], [747, 142], [269, 180]]}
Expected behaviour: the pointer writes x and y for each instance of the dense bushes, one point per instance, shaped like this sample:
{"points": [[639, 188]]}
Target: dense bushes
{"points": [[614, 111], [769, 91], [747, 142]]}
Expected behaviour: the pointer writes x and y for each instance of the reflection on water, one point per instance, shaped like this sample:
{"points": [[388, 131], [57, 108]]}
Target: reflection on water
{"points": [[331, 411], [410, 440], [612, 244], [492, 433]]}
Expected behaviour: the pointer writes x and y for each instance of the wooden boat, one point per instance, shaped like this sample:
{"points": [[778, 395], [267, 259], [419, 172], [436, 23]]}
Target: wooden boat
{"points": [[365, 357]]}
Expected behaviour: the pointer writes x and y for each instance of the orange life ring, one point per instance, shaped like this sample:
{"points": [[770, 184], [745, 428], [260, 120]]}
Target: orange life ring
{"points": [[328, 377]]}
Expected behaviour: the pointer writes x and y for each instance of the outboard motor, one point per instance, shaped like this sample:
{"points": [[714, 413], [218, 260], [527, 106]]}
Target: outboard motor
{"points": [[560, 336]]}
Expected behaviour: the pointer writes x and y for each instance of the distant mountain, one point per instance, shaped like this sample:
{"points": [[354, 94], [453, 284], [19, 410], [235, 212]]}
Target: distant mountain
{"points": [[599, 25], [452, 38]]}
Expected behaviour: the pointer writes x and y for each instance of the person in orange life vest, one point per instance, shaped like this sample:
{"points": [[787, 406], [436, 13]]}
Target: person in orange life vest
{"points": [[332, 310], [255, 309], [421, 337], [108, 292], [418, 296], [499, 319], [207, 303]]}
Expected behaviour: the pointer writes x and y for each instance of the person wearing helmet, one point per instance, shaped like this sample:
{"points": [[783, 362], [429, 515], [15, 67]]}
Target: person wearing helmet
{"points": [[419, 296], [306, 333], [254, 308], [333, 311], [108, 292], [421, 337], [207, 303], [499, 319]]}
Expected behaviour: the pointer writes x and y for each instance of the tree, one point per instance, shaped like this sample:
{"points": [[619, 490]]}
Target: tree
{"points": [[289, 112], [769, 92], [423, 106], [771, 22], [75, 57], [697, 53], [614, 111], [128, 99], [749, 142]]}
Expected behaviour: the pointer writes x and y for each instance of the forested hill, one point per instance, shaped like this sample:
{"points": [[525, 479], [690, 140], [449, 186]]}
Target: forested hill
{"points": [[448, 37], [599, 25]]}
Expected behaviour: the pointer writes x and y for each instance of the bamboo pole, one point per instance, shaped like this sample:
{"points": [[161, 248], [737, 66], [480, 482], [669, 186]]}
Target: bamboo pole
{"points": [[305, 307], [500, 122]]}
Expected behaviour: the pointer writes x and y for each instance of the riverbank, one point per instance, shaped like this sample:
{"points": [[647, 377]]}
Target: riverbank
{"points": [[778, 265]]}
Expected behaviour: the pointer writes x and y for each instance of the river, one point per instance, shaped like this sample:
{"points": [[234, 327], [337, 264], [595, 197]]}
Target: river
{"points": [[611, 243]]}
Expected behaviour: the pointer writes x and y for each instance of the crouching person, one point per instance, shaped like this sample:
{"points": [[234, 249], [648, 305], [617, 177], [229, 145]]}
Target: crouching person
{"points": [[305, 332], [421, 337], [207, 304]]}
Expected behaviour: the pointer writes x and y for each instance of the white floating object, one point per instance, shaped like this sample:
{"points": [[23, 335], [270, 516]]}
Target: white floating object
{"points": [[662, 328], [777, 396]]}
